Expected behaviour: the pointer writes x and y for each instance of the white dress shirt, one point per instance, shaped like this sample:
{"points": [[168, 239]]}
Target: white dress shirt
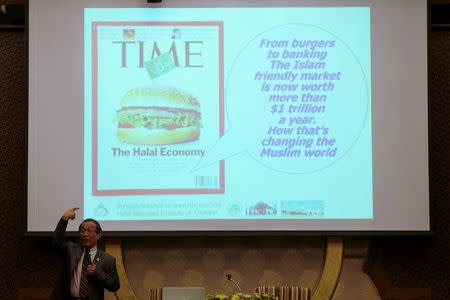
{"points": [[75, 284]]}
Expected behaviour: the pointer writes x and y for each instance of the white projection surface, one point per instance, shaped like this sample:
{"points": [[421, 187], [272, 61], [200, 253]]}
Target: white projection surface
{"points": [[235, 116]]}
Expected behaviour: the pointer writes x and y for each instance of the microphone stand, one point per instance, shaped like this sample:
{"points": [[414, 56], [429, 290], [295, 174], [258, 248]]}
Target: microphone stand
{"points": [[230, 278]]}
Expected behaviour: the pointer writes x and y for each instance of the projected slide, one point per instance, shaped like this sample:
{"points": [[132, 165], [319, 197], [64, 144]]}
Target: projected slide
{"points": [[227, 113]]}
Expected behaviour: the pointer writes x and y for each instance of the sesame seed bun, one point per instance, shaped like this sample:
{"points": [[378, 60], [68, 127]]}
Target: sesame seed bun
{"points": [[159, 96]]}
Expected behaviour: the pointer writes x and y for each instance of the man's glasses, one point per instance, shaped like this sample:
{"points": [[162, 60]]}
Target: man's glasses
{"points": [[87, 230]]}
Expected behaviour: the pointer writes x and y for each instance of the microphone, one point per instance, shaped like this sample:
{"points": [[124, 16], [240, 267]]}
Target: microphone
{"points": [[234, 282]]}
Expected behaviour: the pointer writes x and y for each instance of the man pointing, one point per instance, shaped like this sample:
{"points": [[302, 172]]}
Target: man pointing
{"points": [[87, 269]]}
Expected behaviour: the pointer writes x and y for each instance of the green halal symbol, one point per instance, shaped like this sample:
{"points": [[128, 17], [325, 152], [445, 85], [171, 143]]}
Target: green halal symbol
{"points": [[160, 65]]}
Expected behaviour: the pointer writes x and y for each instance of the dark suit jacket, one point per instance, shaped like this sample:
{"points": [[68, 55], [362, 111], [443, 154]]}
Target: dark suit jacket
{"points": [[105, 276]]}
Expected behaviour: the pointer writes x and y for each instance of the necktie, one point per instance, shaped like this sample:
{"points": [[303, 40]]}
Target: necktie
{"points": [[84, 289]]}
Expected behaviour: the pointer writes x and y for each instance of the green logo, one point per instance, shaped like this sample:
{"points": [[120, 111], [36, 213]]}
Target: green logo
{"points": [[160, 65]]}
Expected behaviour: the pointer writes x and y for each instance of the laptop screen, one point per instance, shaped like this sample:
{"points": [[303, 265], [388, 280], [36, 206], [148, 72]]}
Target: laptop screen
{"points": [[183, 293]]}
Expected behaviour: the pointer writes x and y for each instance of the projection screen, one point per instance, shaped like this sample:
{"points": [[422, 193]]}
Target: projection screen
{"points": [[235, 116]]}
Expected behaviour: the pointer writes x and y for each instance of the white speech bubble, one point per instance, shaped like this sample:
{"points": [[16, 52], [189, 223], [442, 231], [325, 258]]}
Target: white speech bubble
{"points": [[333, 107]]}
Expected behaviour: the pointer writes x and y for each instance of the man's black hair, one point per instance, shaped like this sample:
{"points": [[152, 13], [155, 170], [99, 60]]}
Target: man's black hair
{"points": [[98, 228]]}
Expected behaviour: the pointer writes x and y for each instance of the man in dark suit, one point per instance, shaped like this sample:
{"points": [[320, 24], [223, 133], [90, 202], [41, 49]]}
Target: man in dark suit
{"points": [[87, 269]]}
